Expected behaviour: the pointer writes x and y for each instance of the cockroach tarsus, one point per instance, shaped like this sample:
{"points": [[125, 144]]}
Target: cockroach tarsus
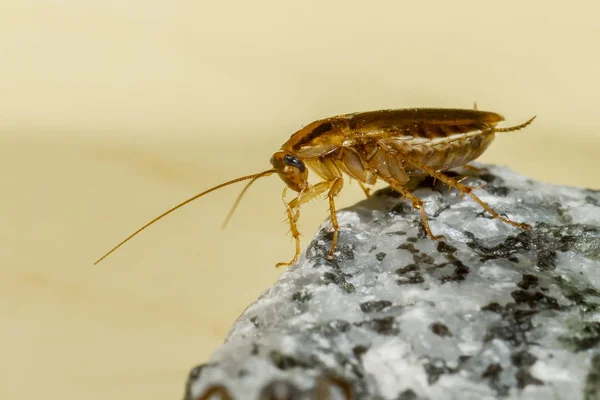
{"points": [[387, 145]]}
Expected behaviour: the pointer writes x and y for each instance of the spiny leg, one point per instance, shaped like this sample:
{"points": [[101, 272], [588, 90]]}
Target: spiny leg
{"points": [[293, 213], [466, 189], [416, 203], [292, 217], [364, 189], [477, 170], [336, 187]]}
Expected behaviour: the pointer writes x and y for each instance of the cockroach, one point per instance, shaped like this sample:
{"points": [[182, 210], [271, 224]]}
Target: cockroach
{"points": [[387, 145]]}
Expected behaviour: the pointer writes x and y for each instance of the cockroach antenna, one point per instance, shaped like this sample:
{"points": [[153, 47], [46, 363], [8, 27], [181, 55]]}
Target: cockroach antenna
{"points": [[253, 178]]}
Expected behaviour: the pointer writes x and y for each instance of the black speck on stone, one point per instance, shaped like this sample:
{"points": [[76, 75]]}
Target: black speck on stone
{"points": [[528, 281], [192, 377], [591, 390], [279, 389], [332, 328], [383, 326], [346, 252], [525, 378], [408, 246], [423, 258], [488, 177], [407, 394], [440, 329], [339, 280], [374, 306], [592, 201], [502, 191], [442, 247], [492, 373], [396, 233], [380, 256], [302, 297], [434, 369], [536, 300], [588, 337], [512, 327], [523, 358], [511, 245], [412, 239], [254, 321], [196, 371], [359, 351], [412, 279], [493, 307], [407, 269], [285, 362], [460, 272], [546, 259], [402, 208]]}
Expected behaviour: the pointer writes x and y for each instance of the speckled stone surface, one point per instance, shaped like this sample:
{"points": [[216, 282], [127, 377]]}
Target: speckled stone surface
{"points": [[492, 312]]}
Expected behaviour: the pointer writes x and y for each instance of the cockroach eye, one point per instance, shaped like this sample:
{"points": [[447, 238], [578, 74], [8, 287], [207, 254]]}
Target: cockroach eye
{"points": [[293, 162]]}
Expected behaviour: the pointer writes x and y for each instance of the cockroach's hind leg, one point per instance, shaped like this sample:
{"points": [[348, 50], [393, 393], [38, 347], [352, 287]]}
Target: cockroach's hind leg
{"points": [[416, 203], [463, 189], [336, 187]]}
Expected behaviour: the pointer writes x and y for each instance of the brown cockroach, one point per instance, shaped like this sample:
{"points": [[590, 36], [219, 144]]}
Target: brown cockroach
{"points": [[387, 145]]}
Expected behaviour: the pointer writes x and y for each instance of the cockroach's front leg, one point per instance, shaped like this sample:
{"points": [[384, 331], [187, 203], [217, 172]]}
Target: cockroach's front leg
{"points": [[465, 190], [293, 213], [336, 187], [416, 203]]}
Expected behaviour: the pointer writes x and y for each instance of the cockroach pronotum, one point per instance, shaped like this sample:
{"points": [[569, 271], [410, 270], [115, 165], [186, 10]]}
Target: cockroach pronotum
{"points": [[391, 145]]}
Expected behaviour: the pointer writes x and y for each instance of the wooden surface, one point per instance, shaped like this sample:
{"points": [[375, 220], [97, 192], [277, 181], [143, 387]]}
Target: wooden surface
{"points": [[112, 111]]}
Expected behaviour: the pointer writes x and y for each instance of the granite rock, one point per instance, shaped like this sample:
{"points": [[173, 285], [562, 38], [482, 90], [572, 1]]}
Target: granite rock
{"points": [[491, 312]]}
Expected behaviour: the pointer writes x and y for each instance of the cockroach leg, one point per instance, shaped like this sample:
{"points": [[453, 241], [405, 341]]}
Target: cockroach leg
{"points": [[365, 189], [336, 187], [293, 213], [416, 203], [477, 170], [292, 216], [463, 189]]}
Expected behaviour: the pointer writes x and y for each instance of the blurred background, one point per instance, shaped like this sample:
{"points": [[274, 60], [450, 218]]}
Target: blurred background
{"points": [[112, 111]]}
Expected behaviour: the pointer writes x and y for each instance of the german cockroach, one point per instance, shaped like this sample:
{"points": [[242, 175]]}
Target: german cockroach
{"points": [[387, 145]]}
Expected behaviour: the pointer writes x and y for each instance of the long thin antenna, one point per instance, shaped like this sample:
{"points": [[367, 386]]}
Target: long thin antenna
{"points": [[243, 178], [242, 193]]}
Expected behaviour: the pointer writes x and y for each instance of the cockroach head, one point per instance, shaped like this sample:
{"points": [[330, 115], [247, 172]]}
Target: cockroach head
{"points": [[291, 170]]}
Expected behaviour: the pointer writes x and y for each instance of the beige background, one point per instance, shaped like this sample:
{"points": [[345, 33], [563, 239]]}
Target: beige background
{"points": [[111, 111]]}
